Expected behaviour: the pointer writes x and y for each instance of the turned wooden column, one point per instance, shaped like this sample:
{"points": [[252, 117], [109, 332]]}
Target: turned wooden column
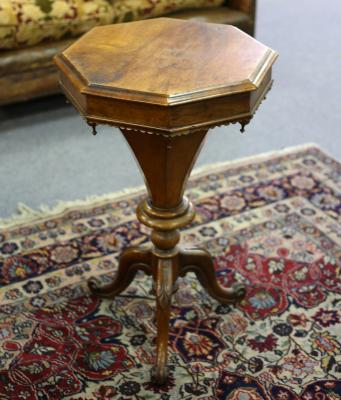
{"points": [[165, 83]]}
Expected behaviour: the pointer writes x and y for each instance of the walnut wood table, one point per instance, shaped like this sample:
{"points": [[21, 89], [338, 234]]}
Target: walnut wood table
{"points": [[165, 83]]}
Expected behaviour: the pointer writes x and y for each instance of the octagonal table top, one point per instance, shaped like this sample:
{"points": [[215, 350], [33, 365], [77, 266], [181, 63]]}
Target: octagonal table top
{"points": [[165, 63]]}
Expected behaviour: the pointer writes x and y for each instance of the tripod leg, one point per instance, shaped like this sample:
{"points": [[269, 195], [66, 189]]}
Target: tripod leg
{"points": [[131, 261], [165, 276], [200, 262]]}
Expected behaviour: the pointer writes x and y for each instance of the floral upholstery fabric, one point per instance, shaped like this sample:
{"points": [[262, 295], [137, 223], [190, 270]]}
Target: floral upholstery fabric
{"points": [[130, 10], [28, 22]]}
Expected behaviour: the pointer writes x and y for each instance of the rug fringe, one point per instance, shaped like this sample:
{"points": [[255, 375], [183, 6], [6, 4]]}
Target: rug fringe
{"points": [[258, 157], [27, 214]]}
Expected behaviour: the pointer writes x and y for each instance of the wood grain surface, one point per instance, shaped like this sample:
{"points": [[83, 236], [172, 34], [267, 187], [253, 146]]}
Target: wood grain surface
{"points": [[167, 61]]}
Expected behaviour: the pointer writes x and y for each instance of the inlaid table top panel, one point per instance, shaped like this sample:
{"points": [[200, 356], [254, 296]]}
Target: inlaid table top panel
{"points": [[168, 60]]}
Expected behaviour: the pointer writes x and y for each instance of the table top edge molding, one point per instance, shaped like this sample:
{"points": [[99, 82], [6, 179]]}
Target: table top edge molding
{"points": [[169, 100], [267, 62], [246, 85]]}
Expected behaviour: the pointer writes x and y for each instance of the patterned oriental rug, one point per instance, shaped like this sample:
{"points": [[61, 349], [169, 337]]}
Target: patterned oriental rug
{"points": [[272, 222]]}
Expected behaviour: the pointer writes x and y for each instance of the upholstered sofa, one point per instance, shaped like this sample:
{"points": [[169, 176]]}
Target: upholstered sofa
{"points": [[33, 31]]}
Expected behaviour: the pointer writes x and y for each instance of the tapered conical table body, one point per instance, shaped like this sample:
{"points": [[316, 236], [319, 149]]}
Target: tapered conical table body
{"points": [[164, 83]]}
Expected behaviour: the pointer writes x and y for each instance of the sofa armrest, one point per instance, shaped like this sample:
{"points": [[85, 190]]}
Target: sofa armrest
{"points": [[246, 6]]}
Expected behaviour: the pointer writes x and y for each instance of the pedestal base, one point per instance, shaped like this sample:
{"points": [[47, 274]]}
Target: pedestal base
{"points": [[166, 164], [166, 267]]}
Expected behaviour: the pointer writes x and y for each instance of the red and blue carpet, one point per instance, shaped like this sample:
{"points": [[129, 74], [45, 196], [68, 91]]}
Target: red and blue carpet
{"points": [[272, 222]]}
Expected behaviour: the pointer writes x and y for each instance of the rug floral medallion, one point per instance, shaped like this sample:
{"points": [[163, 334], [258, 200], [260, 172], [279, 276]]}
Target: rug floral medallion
{"points": [[271, 222]]}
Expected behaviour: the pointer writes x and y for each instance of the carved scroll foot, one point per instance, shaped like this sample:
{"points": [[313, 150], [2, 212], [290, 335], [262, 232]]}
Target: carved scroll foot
{"points": [[165, 274], [200, 262], [131, 261]]}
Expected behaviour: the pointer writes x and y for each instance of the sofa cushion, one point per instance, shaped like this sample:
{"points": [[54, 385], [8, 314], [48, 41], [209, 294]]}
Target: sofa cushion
{"points": [[130, 10], [28, 22]]}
